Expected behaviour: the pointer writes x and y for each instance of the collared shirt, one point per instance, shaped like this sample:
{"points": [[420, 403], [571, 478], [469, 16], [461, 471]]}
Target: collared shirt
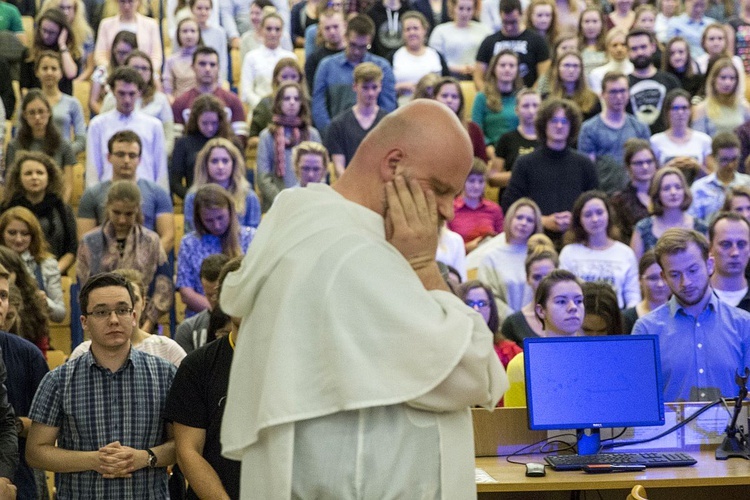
{"points": [[699, 356], [93, 407], [332, 88], [153, 166], [690, 30], [709, 194]]}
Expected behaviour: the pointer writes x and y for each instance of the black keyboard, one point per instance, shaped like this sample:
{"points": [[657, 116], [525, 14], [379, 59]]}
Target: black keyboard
{"points": [[660, 459]]}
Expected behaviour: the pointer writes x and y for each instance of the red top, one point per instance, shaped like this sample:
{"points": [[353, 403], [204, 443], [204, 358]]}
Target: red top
{"points": [[471, 223]]}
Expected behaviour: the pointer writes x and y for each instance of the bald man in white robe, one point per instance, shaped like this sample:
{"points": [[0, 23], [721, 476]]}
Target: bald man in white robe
{"points": [[355, 367]]}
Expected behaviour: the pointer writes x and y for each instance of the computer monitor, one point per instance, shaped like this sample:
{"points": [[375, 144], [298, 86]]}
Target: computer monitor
{"points": [[589, 383]]}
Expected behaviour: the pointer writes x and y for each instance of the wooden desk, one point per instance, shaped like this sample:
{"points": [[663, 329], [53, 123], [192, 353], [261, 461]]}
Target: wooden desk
{"points": [[504, 430]]}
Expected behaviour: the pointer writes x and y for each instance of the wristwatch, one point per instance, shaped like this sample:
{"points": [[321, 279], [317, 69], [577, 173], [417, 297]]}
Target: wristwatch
{"points": [[151, 459]]}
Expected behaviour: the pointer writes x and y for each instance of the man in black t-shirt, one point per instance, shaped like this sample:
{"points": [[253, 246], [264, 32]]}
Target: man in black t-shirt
{"points": [[648, 86], [532, 49], [195, 405]]}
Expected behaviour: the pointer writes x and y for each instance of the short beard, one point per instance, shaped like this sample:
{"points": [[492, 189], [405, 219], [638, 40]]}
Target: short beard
{"points": [[641, 62]]}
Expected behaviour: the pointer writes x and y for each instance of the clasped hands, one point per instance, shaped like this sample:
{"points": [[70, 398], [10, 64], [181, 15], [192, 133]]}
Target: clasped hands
{"points": [[118, 461], [411, 221]]}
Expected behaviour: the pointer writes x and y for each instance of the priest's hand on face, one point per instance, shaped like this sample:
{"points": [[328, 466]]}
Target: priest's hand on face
{"points": [[411, 221]]}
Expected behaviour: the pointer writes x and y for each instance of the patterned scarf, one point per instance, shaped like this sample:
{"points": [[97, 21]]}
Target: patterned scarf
{"points": [[281, 143]]}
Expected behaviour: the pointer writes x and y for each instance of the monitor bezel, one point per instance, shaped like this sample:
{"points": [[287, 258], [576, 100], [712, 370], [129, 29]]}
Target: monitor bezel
{"points": [[594, 425]]}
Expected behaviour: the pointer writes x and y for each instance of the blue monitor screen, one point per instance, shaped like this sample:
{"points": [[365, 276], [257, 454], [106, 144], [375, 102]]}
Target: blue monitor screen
{"points": [[593, 382]]}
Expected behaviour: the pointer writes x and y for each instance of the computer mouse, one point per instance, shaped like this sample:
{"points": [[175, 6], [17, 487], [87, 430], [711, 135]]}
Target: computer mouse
{"points": [[534, 469]]}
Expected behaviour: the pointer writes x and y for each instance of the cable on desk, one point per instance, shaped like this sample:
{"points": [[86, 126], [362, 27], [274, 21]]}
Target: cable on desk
{"points": [[544, 442], [673, 428]]}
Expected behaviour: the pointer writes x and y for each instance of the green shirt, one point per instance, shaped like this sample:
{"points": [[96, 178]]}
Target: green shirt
{"points": [[10, 18]]}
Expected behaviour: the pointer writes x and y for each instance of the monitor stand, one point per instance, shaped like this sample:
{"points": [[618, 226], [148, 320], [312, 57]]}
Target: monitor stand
{"points": [[589, 442]]}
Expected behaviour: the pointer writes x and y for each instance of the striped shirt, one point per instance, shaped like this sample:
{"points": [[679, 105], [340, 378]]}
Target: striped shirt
{"points": [[93, 407]]}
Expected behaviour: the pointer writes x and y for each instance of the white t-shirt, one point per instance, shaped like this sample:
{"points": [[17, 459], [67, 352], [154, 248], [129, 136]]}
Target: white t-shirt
{"points": [[698, 147], [451, 251], [731, 298], [410, 68], [616, 265], [458, 45]]}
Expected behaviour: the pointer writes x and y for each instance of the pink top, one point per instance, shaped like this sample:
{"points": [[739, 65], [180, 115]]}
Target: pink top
{"points": [[471, 223], [147, 34]]}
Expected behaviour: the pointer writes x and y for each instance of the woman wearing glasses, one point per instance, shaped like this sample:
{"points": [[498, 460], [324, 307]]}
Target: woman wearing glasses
{"points": [[37, 132], [122, 242]]}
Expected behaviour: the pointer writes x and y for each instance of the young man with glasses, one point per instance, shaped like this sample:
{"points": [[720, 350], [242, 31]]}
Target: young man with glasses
{"points": [[124, 154], [97, 420], [332, 89], [603, 136], [710, 191]]}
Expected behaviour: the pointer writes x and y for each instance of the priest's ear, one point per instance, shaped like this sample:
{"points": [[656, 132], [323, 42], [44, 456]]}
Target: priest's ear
{"points": [[389, 164]]}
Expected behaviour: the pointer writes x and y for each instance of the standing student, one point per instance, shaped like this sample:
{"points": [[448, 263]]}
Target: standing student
{"points": [[595, 254], [730, 247], [128, 18], [678, 61], [290, 126], [448, 91], [494, 107], [569, 82], [52, 33], [178, 74], [591, 39], [633, 203], [516, 143], [142, 446], [348, 129], [654, 290], [670, 200], [212, 34], [458, 40], [724, 108], [679, 139]]}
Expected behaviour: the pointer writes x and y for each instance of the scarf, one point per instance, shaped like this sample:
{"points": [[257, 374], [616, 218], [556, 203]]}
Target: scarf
{"points": [[281, 143], [44, 210]]}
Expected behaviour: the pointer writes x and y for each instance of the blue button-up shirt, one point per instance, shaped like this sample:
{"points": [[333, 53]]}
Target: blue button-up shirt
{"points": [[699, 356], [93, 407], [690, 30], [332, 88], [709, 194]]}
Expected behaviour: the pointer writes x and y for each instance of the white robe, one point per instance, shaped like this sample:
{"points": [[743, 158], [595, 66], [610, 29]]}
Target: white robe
{"points": [[341, 343]]}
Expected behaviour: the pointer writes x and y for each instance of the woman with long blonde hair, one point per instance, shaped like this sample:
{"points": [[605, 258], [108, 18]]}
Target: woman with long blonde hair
{"points": [[221, 162], [724, 108]]}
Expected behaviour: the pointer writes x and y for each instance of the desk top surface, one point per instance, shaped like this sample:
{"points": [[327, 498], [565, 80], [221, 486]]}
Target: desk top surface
{"points": [[707, 472]]}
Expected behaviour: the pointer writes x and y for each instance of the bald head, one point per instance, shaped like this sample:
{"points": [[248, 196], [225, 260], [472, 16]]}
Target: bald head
{"points": [[423, 140]]}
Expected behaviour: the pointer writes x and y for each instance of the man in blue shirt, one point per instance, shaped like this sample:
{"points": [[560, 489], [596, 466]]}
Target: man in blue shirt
{"points": [[98, 420], [332, 90], [124, 153], [703, 340]]}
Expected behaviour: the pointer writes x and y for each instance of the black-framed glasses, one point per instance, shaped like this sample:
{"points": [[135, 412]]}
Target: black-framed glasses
{"points": [[103, 313]]}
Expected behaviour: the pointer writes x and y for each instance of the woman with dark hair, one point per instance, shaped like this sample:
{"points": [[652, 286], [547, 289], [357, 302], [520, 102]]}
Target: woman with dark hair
{"points": [[670, 199], [20, 231], [217, 230], [290, 126], [478, 296], [632, 203], [34, 325], [208, 120], [653, 288], [37, 132], [595, 254], [178, 74], [559, 306], [603, 315], [448, 91], [286, 70], [35, 182], [569, 82], [122, 242], [53, 33], [679, 139]]}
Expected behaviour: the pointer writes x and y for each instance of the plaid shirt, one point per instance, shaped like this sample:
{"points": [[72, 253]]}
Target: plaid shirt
{"points": [[93, 407]]}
